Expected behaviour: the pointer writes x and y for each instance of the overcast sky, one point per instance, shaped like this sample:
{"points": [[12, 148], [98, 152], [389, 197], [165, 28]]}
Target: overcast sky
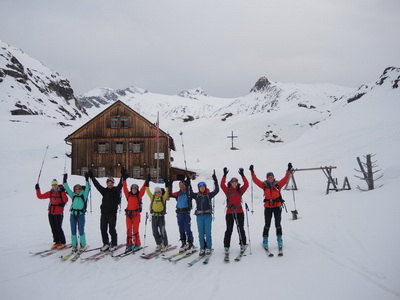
{"points": [[222, 46]]}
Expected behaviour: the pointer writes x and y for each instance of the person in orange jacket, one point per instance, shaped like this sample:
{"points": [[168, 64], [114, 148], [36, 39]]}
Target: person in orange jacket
{"points": [[234, 210], [132, 213], [272, 202], [58, 199]]}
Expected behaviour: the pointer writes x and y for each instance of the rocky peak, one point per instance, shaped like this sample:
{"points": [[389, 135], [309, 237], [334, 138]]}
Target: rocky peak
{"points": [[260, 85], [390, 75], [38, 87], [193, 93]]}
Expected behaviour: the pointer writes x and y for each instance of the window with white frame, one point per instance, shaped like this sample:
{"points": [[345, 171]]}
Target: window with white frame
{"points": [[136, 147], [114, 122], [136, 172], [119, 147]]}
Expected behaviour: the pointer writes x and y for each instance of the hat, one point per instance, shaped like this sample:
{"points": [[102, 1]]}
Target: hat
{"points": [[234, 179], [157, 189], [110, 179], [270, 174], [134, 186], [201, 184], [54, 181]]}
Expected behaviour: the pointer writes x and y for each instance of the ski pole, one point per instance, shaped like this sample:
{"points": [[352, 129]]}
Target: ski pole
{"points": [[90, 191], [183, 149], [248, 228], [65, 164], [294, 212], [237, 226], [252, 211], [145, 229], [40, 172]]}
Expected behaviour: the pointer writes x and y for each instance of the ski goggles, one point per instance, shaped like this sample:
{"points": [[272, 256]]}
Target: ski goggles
{"points": [[202, 184]]}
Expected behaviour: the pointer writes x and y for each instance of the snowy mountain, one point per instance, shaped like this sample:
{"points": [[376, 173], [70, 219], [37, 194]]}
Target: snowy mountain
{"points": [[27, 87], [303, 105], [342, 246]]}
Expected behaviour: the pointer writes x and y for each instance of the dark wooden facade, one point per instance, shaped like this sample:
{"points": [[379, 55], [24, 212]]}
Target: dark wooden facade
{"points": [[120, 137]]}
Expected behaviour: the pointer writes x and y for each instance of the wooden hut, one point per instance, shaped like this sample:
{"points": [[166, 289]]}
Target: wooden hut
{"points": [[120, 137]]}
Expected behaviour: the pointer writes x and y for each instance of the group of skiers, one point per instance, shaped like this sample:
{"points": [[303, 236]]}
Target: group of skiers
{"points": [[111, 197]]}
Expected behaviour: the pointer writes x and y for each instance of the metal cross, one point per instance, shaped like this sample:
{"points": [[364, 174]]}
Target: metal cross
{"points": [[232, 137]]}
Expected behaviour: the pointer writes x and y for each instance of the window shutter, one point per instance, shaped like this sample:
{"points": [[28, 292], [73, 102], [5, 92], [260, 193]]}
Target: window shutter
{"points": [[96, 147], [113, 147]]}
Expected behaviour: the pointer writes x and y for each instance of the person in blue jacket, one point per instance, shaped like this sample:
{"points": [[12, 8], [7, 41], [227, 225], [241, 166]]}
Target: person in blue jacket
{"points": [[203, 212], [79, 197], [183, 208]]}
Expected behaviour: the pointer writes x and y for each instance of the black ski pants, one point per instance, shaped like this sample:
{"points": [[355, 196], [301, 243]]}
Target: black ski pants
{"points": [[230, 221], [109, 221], [159, 232], [56, 228], [277, 212]]}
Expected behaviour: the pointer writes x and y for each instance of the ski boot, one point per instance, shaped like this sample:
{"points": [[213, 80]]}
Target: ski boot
{"points": [[265, 242]]}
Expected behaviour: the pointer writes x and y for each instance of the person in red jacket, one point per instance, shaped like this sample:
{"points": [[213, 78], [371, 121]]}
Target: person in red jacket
{"points": [[132, 213], [234, 210], [272, 202], [58, 199]]}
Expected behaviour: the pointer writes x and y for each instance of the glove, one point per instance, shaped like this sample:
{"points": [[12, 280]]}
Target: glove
{"points": [[86, 176], [124, 174], [90, 173], [226, 171], [61, 187], [187, 181], [241, 172], [167, 182], [148, 178], [65, 178], [289, 166], [214, 177], [251, 169], [37, 186]]}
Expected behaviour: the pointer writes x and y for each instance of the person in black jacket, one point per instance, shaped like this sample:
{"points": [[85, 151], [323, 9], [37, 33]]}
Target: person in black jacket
{"points": [[109, 207]]}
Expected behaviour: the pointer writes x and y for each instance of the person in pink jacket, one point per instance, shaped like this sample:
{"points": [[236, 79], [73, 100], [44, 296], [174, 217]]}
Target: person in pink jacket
{"points": [[234, 211]]}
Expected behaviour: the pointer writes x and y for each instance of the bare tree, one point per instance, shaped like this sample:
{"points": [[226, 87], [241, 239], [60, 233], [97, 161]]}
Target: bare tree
{"points": [[368, 172]]}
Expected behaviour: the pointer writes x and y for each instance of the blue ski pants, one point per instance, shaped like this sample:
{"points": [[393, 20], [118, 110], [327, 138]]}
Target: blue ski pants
{"points": [[204, 228], [184, 223]]}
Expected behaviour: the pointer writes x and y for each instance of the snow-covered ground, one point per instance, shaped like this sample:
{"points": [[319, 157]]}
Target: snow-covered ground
{"points": [[344, 245]]}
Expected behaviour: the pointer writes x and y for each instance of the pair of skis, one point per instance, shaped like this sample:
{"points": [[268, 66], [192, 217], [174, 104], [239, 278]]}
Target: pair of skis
{"points": [[101, 254], [75, 254], [157, 253], [48, 252], [199, 258], [238, 257], [181, 255], [126, 253], [270, 254]]}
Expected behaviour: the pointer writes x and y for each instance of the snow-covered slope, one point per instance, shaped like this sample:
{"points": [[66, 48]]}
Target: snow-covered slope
{"points": [[28, 87], [343, 246]]}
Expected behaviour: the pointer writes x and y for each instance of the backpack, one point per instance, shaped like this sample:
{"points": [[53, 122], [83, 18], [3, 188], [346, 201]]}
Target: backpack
{"points": [[164, 211], [276, 187], [80, 211]]}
